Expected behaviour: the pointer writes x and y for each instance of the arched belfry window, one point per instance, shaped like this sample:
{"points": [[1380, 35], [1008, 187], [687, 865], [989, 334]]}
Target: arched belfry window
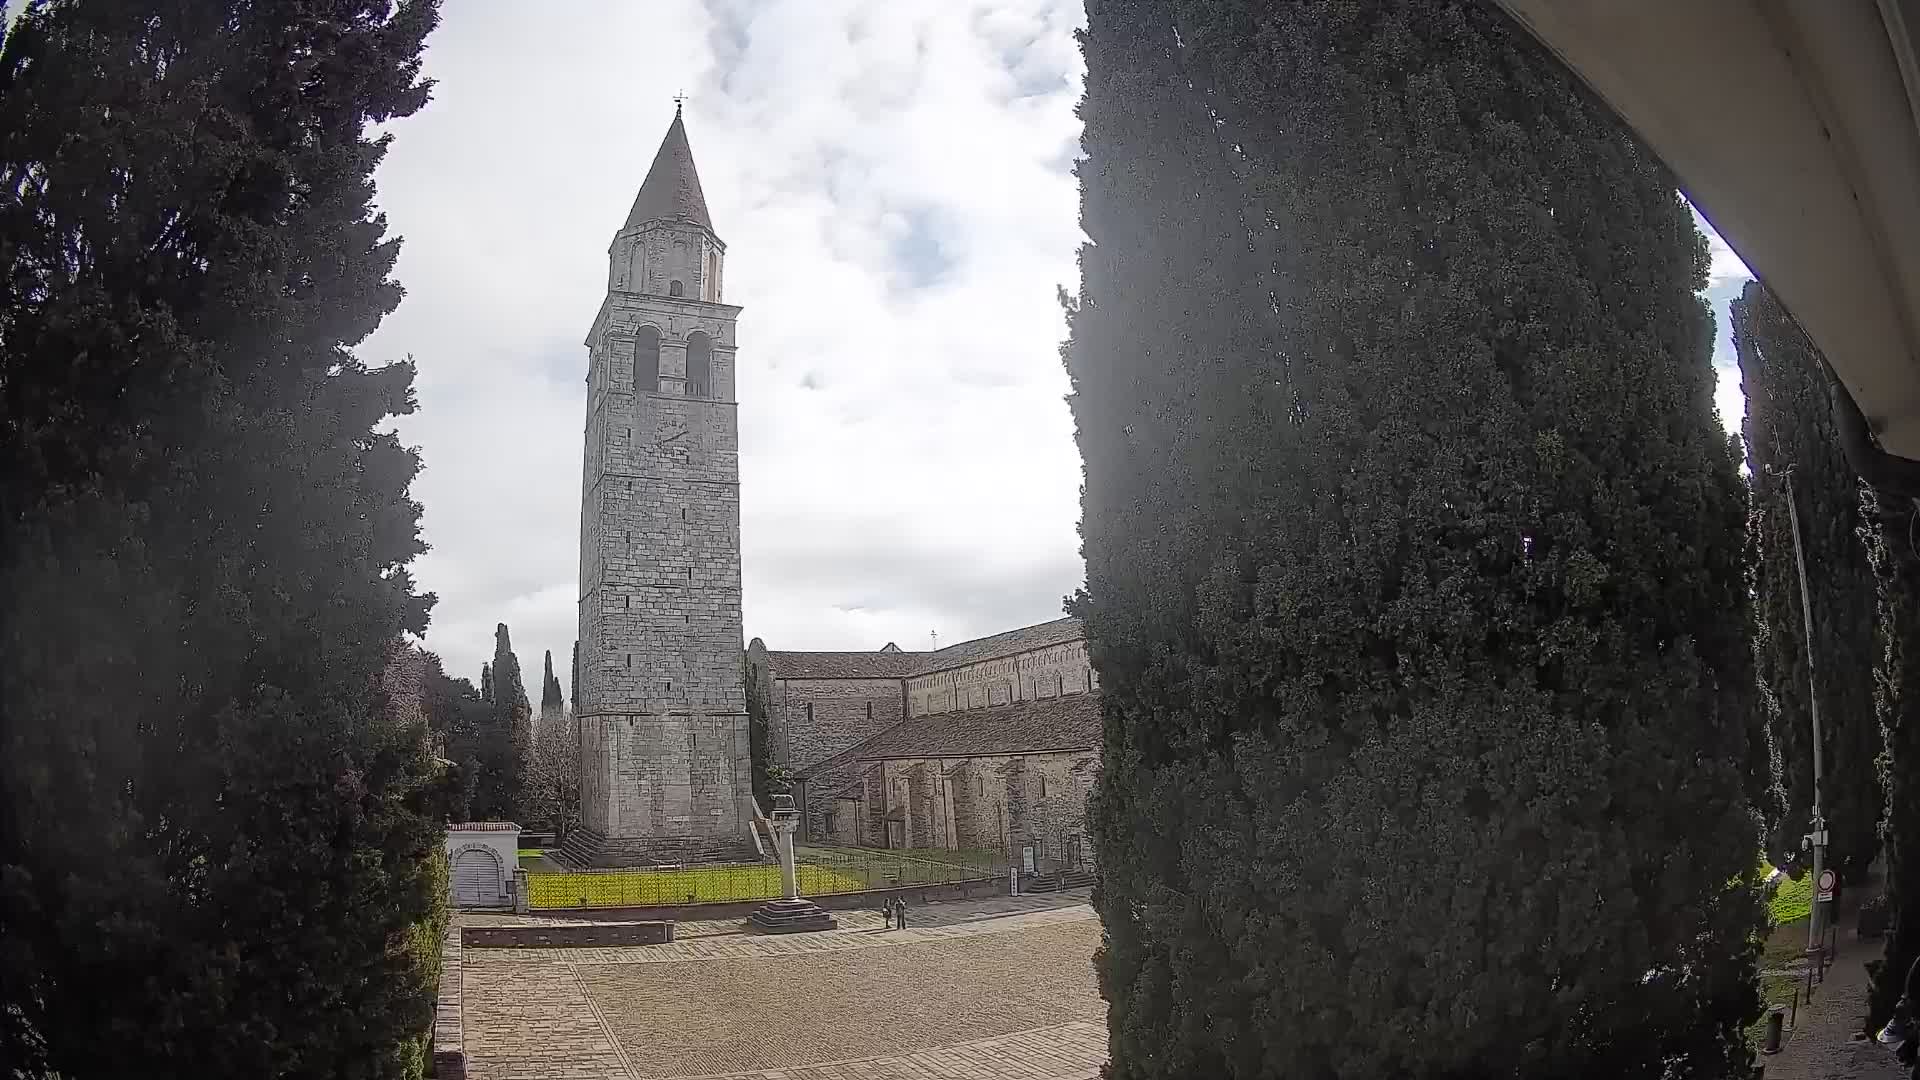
{"points": [[676, 288], [699, 365], [646, 360]]}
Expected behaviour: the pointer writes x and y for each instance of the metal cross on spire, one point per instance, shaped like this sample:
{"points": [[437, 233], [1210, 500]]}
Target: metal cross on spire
{"points": [[679, 99]]}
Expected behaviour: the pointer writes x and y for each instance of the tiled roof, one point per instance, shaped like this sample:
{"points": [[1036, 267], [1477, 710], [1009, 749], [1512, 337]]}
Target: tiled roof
{"points": [[483, 826], [841, 665], [1070, 722], [894, 664], [992, 648]]}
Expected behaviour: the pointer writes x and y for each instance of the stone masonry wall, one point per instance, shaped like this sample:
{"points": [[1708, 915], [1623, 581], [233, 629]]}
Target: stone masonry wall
{"points": [[662, 700], [984, 803], [1053, 814], [1039, 673], [813, 719], [980, 804]]}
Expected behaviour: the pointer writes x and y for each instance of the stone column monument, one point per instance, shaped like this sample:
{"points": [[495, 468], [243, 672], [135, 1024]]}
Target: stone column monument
{"points": [[792, 913]]}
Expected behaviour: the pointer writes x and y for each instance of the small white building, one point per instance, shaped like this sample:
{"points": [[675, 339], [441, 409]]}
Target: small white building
{"points": [[482, 855]]}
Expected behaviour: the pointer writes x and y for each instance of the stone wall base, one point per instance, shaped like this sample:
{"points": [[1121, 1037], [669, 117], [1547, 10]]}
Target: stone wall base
{"points": [[589, 848], [548, 936]]}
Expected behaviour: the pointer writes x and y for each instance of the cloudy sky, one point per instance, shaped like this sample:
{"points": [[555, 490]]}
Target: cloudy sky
{"points": [[893, 180]]}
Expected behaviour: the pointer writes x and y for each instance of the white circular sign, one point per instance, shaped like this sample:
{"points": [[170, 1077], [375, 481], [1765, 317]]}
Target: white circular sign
{"points": [[1826, 881]]}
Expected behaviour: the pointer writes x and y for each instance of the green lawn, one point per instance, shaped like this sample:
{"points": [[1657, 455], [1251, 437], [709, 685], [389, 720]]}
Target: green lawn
{"points": [[1792, 900], [1784, 946], [1774, 990], [694, 885]]}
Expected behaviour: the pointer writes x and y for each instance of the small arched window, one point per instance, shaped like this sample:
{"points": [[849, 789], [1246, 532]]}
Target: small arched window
{"points": [[646, 360], [699, 365], [676, 288]]}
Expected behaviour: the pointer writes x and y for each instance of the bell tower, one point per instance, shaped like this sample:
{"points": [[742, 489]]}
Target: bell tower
{"points": [[663, 717]]}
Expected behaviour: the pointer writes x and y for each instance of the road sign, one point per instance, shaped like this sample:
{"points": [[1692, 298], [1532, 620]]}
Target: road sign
{"points": [[1827, 882]]}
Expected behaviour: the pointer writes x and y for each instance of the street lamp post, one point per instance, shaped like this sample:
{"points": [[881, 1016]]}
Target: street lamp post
{"points": [[1817, 839]]}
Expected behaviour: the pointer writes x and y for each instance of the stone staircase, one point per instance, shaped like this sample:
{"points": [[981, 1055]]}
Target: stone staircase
{"points": [[586, 848], [1055, 880]]}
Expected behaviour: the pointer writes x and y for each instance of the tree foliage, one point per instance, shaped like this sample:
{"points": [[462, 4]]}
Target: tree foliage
{"points": [[551, 699], [553, 772], [1789, 425], [218, 832], [1414, 571], [512, 725], [462, 722], [759, 678], [1895, 549]]}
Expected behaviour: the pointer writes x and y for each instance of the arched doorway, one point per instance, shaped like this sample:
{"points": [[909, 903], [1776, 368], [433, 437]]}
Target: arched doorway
{"points": [[476, 878]]}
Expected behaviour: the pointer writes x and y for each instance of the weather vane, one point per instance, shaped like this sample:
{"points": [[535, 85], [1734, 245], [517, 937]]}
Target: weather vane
{"points": [[679, 99]]}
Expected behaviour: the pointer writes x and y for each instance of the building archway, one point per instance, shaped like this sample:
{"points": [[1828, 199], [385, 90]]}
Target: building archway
{"points": [[477, 877], [699, 365], [646, 359]]}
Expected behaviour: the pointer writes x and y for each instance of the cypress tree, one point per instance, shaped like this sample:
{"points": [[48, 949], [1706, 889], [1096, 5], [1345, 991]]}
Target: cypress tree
{"points": [[512, 725], [456, 715], [486, 683], [1413, 550], [1895, 549], [573, 679], [218, 845], [551, 700], [1790, 425], [759, 679]]}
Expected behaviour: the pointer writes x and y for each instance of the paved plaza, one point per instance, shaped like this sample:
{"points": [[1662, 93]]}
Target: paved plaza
{"points": [[998, 989]]}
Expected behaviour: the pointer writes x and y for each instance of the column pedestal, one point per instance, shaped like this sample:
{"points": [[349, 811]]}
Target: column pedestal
{"points": [[795, 916], [792, 913]]}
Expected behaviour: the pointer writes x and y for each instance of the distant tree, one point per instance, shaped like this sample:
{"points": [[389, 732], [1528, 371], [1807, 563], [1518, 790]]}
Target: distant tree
{"points": [[1414, 574], [486, 683], [219, 833], [463, 722], [553, 774], [1895, 547], [1789, 425], [551, 699], [759, 676], [512, 721]]}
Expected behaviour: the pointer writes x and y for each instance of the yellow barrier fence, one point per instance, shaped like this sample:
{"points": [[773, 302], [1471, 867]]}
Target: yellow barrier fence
{"points": [[821, 872]]}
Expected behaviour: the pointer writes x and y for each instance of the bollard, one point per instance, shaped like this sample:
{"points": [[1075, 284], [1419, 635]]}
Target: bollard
{"points": [[1776, 1027]]}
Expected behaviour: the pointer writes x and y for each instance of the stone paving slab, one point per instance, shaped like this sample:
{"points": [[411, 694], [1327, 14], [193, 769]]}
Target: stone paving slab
{"points": [[944, 913], [1073, 1051], [534, 1021], [748, 946], [775, 1012], [1822, 1045], [999, 990]]}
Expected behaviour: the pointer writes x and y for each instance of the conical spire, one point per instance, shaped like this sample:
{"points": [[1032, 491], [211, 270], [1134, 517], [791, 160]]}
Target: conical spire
{"points": [[672, 189]]}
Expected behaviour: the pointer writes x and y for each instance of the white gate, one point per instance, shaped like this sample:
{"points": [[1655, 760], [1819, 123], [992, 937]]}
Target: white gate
{"points": [[476, 879]]}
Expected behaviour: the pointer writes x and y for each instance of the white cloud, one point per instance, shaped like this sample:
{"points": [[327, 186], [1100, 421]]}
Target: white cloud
{"points": [[1724, 282], [892, 178]]}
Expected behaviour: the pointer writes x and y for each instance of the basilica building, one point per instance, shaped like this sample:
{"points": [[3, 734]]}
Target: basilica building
{"points": [[989, 745]]}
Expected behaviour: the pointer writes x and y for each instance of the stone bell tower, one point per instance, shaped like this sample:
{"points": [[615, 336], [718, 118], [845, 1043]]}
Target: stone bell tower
{"points": [[662, 705]]}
